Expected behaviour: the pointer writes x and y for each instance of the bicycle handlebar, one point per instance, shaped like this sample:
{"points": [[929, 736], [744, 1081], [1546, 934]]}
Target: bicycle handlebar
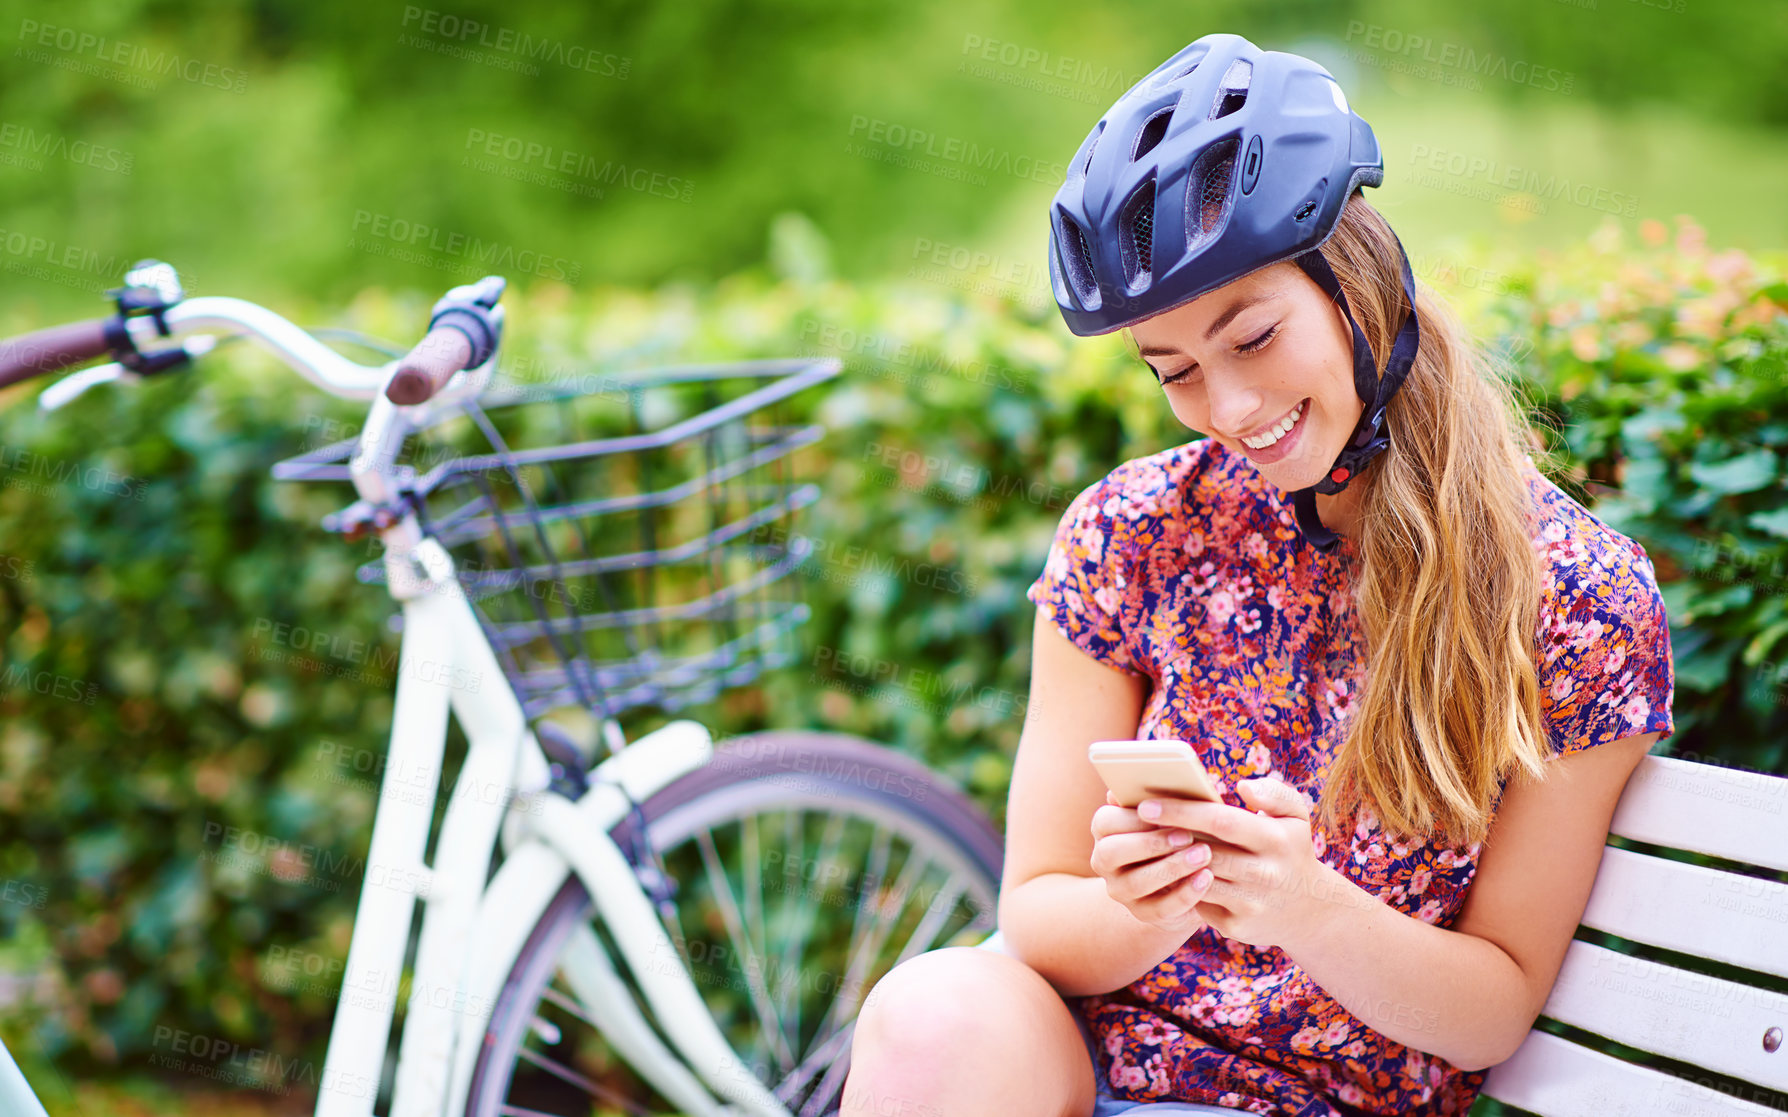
{"points": [[427, 368], [306, 356], [51, 350], [463, 334]]}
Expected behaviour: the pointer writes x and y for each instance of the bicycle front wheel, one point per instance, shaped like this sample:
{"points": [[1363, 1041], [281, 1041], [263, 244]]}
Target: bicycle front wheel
{"points": [[807, 866]]}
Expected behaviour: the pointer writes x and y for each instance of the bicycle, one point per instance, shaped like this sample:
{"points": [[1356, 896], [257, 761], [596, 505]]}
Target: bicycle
{"points": [[610, 926]]}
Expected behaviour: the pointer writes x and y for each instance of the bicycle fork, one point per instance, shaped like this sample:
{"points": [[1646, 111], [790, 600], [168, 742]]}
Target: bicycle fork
{"points": [[448, 1006], [647, 950]]}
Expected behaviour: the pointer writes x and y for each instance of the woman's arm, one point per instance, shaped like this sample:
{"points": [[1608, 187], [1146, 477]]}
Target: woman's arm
{"points": [[1054, 913], [1080, 939], [1470, 994]]}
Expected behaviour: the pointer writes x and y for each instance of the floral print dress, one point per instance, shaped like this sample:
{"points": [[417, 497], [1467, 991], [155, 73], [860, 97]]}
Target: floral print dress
{"points": [[1187, 568]]}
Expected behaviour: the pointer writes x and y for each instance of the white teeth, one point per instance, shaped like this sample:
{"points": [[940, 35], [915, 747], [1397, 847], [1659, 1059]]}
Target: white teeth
{"points": [[1277, 432]]}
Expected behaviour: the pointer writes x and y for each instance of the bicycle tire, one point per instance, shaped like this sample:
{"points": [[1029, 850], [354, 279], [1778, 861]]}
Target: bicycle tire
{"points": [[747, 777]]}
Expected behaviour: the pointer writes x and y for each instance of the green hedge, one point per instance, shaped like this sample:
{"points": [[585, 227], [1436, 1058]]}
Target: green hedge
{"points": [[149, 560], [637, 142]]}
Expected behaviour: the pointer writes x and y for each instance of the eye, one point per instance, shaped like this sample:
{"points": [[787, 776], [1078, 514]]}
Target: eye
{"points": [[1259, 342], [1177, 378]]}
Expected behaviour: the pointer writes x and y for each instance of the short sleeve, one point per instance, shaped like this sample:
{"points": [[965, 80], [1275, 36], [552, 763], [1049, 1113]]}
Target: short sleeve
{"points": [[1085, 588], [1606, 667]]}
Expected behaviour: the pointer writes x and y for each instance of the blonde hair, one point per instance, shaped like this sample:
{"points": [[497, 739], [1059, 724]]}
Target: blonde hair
{"points": [[1447, 581]]}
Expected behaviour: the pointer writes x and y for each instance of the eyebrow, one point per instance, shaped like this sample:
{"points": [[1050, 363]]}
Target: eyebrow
{"points": [[1223, 319]]}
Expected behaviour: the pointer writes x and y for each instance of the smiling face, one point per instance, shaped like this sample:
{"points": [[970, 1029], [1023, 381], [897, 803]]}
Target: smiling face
{"points": [[1239, 362]]}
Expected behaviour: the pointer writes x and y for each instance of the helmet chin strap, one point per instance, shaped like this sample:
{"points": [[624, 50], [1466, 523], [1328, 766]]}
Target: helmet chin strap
{"points": [[1369, 439]]}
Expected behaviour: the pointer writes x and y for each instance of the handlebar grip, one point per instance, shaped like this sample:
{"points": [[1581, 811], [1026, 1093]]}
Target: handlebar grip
{"points": [[427, 368], [52, 349]]}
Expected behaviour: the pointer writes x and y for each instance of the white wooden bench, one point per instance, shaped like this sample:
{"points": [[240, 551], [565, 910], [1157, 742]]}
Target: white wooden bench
{"points": [[1729, 1028], [1720, 1026]]}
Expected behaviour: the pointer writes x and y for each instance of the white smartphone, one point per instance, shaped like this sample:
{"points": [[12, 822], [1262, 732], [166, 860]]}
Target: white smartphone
{"points": [[1136, 770]]}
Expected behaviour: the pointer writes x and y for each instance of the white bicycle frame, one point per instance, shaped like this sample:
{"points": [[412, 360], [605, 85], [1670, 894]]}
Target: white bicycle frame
{"points": [[472, 932]]}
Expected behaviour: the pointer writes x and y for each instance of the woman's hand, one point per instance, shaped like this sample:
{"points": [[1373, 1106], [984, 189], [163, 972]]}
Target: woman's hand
{"points": [[1269, 886], [1159, 873]]}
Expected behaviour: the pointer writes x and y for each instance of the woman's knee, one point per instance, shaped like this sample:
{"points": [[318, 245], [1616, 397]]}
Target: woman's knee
{"points": [[947, 1002], [967, 1030]]}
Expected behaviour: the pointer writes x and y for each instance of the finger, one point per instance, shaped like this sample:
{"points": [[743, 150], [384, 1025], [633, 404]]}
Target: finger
{"points": [[1118, 820], [1223, 893], [1244, 895], [1230, 824], [1176, 901], [1229, 863], [1216, 916], [1117, 852], [1145, 877], [1274, 796]]}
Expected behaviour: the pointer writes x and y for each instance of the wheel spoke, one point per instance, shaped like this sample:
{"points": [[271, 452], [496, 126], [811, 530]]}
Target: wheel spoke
{"points": [[824, 1051], [588, 1085], [752, 887], [936, 914], [791, 960], [751, 891], [849, 866], [760, 997], [568, 1005], [789, 1009], [862, 959], [547, 1031], [876, 870], [833, 1082]]}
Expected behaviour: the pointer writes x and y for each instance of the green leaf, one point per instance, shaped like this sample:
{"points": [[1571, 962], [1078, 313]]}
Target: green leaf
{"points": [[1705, 669], [1760, 645], [1648, 424], [97, 854], [1743, 474], [1774, 521], [1677, 597], [1647, 481], [1719, 601]]}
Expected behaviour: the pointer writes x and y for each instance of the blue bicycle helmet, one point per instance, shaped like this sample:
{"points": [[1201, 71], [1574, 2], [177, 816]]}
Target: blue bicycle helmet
{"points": [[1223, 160]]}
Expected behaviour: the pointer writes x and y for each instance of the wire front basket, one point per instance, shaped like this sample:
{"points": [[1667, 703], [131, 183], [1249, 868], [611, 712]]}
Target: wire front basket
{"points": [[626, 541]]}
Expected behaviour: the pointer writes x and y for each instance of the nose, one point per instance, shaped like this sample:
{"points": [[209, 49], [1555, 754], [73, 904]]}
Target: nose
{"points": [[1233, 406]]}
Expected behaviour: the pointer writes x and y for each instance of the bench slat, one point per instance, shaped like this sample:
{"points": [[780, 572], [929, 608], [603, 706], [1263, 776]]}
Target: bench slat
{"points": [[1689, 1016], [1728, 917], [1557, 1078], [1724, 812]]}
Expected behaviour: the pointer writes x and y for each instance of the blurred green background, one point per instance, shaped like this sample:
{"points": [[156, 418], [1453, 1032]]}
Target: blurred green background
{"points": [[1595, 183], [263, 139]]}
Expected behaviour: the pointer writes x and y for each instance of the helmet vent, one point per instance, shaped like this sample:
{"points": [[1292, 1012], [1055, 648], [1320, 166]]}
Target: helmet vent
{"points": [[1138, 225], [1151, 132], [1092, 141], [1167, 76], [1079, 262], [1209, 193], [1232, 94]]}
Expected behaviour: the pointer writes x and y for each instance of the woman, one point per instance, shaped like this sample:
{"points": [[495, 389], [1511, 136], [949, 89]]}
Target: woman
{"points": [[1363, 658]]}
